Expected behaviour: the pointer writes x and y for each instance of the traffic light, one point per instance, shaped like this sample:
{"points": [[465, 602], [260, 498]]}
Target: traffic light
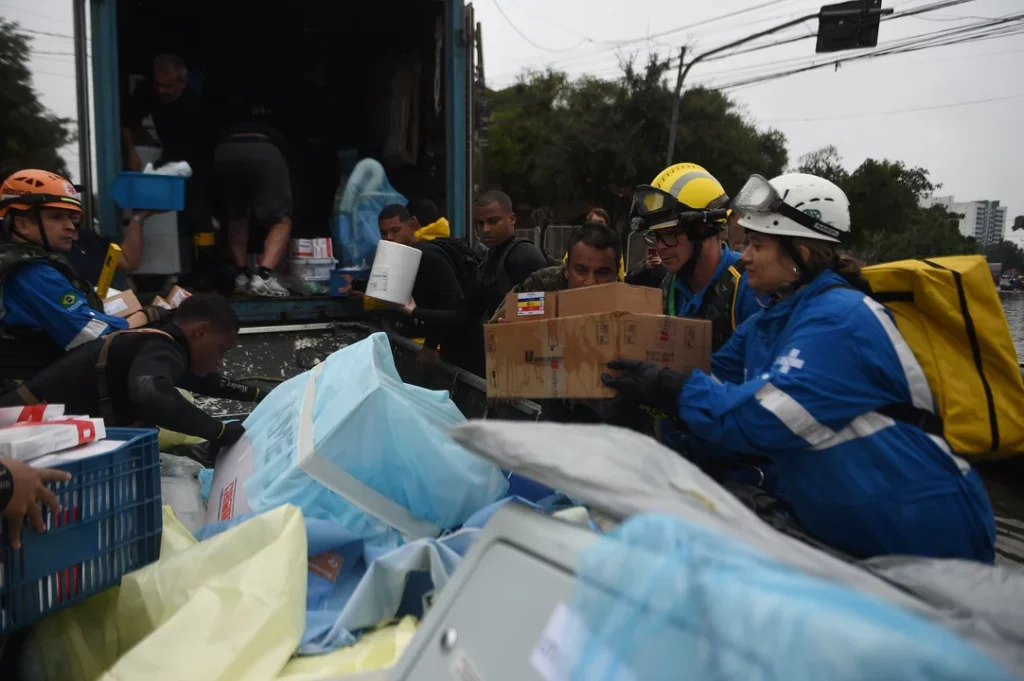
{"points": [[849, 25]]}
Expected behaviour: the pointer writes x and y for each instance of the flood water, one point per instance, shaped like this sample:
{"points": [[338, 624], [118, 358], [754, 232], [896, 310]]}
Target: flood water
{"points": [[1005, 482]]}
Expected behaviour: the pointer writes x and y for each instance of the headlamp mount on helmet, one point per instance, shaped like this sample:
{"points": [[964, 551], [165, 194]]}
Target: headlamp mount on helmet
{"points": [[758, 197]]}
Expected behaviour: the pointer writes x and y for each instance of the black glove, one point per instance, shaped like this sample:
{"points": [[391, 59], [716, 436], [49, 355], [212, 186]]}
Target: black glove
{"points": [[231, 433], [647, 384], [156, 314]]}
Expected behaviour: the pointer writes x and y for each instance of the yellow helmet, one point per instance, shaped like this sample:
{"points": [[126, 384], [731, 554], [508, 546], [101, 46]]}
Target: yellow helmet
{"points": [[702, 198]]}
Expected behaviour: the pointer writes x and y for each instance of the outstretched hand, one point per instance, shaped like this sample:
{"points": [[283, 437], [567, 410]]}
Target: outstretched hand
{"points": [[646, 384]]}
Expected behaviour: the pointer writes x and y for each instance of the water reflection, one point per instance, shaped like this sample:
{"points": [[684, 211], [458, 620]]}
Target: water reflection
{"points": [[1013, 303]]}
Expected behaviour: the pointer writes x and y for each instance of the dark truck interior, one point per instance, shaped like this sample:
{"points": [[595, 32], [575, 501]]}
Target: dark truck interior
{"points": [[340, 80]]}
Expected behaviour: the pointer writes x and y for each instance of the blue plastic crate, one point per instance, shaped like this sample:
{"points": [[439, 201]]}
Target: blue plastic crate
{"points": [[110, 525], [149, 191]]}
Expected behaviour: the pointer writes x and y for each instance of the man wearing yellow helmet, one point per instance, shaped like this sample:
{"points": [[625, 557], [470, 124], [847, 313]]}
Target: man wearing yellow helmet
{"points": [[683, 214], [46, 309]]}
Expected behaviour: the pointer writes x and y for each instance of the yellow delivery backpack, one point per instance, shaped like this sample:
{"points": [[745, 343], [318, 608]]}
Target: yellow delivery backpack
{"points": [[949, 312]]}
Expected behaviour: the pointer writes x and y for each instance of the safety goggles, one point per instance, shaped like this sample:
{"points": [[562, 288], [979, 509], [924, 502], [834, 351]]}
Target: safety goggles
{"points": [[758, 197], [655, 209]]}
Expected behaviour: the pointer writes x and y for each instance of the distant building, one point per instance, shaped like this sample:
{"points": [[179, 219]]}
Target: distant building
{"points": [[983, 220]]}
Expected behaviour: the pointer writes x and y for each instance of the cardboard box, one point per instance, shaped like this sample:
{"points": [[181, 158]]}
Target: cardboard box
{"points": [[30, 440], [177, 296], [160, 302], [137, 319], [122, 305], [32, 413], [617, 297], [531, 306], [311, 248], [565, 357]]}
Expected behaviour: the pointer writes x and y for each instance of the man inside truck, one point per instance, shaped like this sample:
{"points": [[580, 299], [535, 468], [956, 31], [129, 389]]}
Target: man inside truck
{"points": [[187, 133], [444, 292], [142, 370], [510, 260], [592, 258]]}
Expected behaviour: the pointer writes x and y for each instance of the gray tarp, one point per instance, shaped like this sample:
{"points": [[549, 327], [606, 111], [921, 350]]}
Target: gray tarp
{"points": [[621, 473]]}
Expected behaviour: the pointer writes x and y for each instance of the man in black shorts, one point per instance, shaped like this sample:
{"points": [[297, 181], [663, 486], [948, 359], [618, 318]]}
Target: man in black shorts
{"points": [[255, 191]]}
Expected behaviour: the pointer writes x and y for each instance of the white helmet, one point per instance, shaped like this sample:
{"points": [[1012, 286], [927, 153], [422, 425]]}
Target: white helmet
{"points": [[794, 205]]}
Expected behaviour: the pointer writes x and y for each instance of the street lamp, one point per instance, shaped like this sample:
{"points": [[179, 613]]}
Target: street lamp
{"points": [[844, 26]]}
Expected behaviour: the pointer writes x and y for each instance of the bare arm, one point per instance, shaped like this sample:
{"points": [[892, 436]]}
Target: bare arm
{"points": [[131, 247]]}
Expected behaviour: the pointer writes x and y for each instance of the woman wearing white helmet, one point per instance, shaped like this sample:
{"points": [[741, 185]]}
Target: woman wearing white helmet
{"points": [[822, 383]]}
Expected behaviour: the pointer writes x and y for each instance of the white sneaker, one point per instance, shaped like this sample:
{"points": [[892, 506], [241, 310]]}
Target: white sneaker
{"points": [[268, 287], [242, 284]]}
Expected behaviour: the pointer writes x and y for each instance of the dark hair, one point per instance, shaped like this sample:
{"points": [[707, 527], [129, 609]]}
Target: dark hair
{"points": [[601, 213], [208, 307], [395, 210], [596, 235], [495, 196], [825, 255], [424, 210]]}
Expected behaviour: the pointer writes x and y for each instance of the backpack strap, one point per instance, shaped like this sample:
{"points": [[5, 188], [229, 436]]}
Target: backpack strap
{"points": [[106, 405], [500, 274], [26, 395]]}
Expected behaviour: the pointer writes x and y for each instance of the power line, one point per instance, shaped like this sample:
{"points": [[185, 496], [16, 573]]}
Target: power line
{"points": [[897, 111], [530, 40]]}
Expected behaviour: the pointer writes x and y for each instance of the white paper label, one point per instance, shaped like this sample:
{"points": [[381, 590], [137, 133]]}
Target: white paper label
{"points": [[560, 645], [114, 306], [378, 281]]}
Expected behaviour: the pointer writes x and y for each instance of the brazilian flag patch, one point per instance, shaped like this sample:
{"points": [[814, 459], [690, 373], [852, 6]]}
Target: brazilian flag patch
{"points": [[68, 299]]}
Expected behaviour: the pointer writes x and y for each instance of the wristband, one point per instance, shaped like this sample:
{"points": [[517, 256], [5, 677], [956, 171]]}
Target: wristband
{"points": [[6, 486]]}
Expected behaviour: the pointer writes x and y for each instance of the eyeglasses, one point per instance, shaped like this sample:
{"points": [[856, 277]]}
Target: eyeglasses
{"points": [[669, 237]]}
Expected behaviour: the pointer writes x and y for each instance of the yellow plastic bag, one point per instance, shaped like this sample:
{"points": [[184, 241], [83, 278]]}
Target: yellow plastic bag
{"points": [[231, 608], [376, 650]]}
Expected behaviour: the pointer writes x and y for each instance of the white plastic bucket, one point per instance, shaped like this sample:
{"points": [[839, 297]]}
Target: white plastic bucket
{"points": [[394, 272]]}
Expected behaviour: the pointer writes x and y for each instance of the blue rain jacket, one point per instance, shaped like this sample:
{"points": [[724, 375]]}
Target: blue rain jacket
{"points": [[40, 297], [800, 383]]}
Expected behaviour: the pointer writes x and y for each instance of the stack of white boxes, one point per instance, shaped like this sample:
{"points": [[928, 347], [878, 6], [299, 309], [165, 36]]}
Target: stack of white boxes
{"points": [[310, 262]]}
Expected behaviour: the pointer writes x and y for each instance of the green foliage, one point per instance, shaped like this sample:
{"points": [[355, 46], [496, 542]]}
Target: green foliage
{"points": [[555, 140], [1009, 254], [30, 136], [888, 220]]}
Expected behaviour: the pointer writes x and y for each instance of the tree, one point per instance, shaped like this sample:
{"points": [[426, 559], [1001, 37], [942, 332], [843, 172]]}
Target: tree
{"points": [[556, 140], [1018, 223], [888, 220], [30, 136], [1009, 254]]}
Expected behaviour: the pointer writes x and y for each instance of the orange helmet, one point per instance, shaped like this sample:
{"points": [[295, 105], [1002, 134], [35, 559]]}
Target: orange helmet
{"points": [[27, 189]]}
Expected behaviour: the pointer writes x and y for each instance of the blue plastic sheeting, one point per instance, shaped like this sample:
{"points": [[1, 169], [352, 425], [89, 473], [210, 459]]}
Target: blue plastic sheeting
{"points": [[383, 439], [351, 587], [678, 600], [354, 225]]}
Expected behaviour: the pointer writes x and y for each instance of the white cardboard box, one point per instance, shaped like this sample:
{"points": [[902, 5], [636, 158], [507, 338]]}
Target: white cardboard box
{"points": [[227, 495], [311, 248], [32, 413], [25, 441]]}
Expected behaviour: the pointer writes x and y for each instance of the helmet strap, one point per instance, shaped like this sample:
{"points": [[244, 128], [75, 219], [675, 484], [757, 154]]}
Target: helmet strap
{"points": [[806, 275], [697, 235], [37, 214]]}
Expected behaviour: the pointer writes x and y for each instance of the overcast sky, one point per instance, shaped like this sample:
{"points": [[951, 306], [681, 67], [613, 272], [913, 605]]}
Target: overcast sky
{"points": [[954, 110]]}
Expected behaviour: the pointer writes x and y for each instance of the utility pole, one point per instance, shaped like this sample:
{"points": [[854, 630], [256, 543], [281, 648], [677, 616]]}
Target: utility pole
{"points": [[863, 10], [675, 109]]}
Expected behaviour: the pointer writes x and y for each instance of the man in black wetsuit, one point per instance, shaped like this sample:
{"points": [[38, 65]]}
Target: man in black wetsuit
{"points": [[443, 299], [131, 377], [509, 260]]}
